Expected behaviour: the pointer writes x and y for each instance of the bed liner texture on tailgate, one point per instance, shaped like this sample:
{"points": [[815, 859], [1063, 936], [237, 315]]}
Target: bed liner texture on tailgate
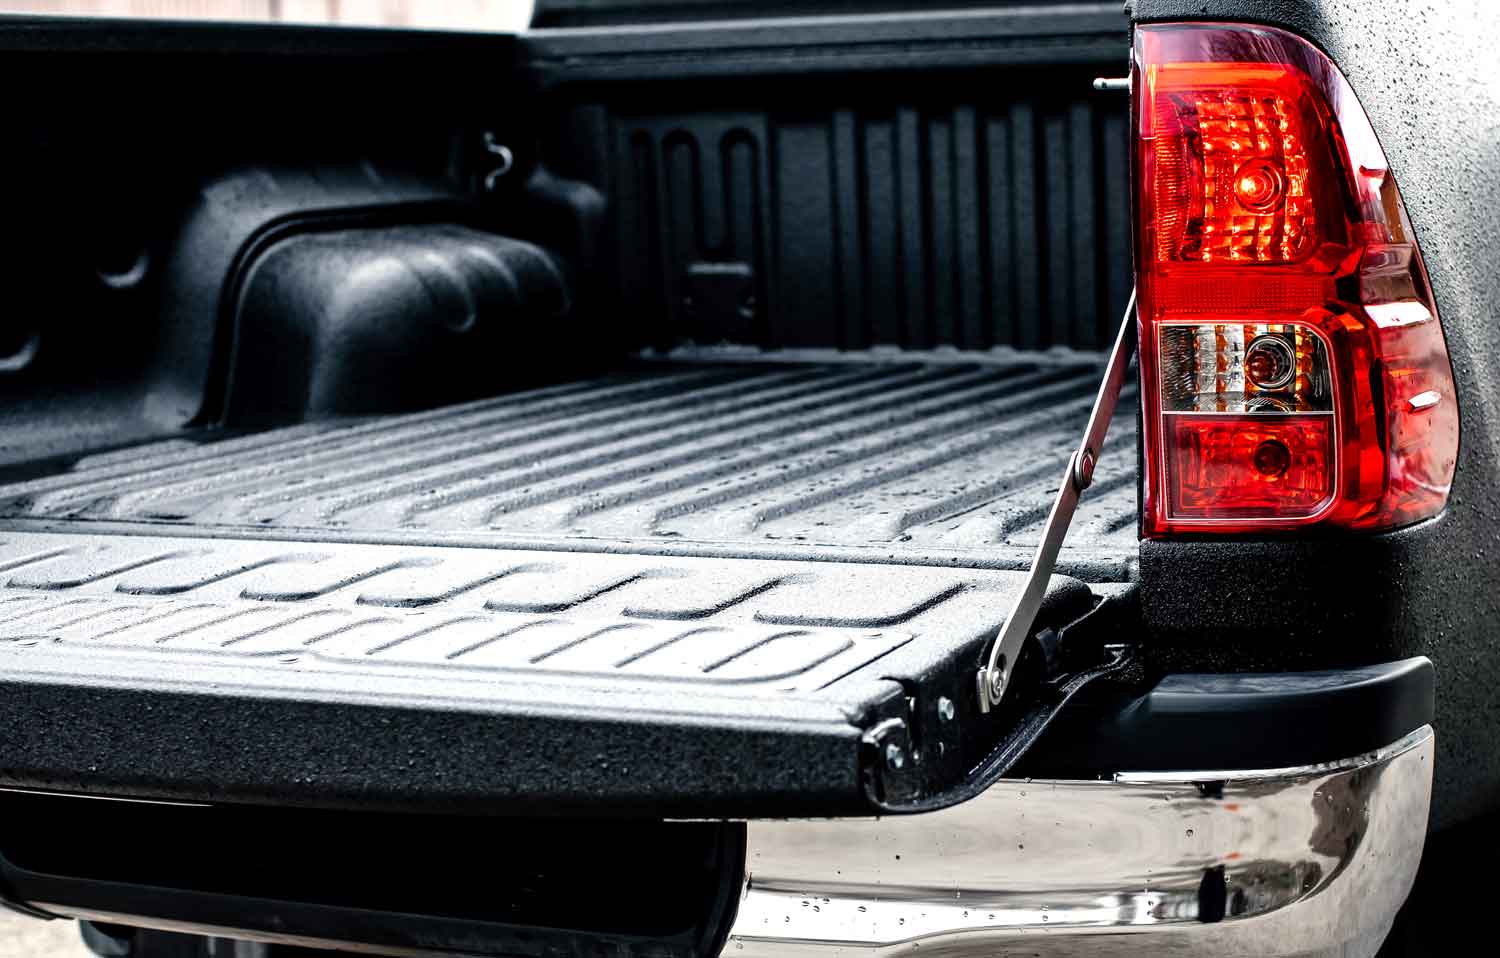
{"points": [[592, 598]]}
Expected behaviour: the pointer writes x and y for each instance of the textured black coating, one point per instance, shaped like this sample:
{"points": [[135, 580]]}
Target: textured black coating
{"points": [[883, 204], [718, 451], [515, 681], [97, 264], [238, 216], [382, 320], [214, 747], [1425, 75]]}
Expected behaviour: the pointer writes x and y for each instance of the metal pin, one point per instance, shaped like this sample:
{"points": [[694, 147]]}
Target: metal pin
{"points": [[1112, 84], [1425, 400]]}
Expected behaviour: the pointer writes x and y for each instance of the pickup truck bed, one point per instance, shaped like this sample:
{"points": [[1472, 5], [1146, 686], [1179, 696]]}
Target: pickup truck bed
{"points": [[642, 625], [659, 447], [527, 443]]}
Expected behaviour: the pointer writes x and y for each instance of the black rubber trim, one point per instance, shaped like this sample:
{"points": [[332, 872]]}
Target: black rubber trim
{"points": [[1241, 721], [912, 40]]}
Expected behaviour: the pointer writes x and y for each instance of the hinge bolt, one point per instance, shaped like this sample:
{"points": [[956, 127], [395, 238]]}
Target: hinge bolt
{"points": [[895, 757], [1083, 470], [992, 685], [946, 711]]}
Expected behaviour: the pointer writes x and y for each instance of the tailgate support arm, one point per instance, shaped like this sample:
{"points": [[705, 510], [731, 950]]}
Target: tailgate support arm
{"points": [[993, 679]]}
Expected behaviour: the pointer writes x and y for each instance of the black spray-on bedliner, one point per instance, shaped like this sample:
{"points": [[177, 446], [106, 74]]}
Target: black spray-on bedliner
{"points": [[922, 461], [592, 598]]}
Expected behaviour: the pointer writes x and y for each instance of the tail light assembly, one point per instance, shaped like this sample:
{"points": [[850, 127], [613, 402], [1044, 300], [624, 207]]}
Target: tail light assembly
{"points": [[1293, 366]]}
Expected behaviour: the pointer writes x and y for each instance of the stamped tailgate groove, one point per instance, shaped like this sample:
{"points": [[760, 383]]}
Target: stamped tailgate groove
{"points": [[585, 613]]}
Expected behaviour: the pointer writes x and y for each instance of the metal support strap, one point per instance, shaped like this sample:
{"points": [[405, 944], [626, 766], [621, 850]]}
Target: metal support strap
{"points": [[993, 679]]}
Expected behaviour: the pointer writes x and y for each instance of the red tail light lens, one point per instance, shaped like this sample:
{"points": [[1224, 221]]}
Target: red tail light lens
{"points": [[1293, 367]]}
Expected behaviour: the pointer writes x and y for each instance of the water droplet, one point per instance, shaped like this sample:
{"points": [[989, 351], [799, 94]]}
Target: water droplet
{"points": [[1020, 847], [817, 908], [900, 921], [1044, 918], [1189, 833], [863, 908]]}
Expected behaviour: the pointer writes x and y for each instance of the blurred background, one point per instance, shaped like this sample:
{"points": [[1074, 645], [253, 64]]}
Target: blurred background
{"points": [[505, 15]]}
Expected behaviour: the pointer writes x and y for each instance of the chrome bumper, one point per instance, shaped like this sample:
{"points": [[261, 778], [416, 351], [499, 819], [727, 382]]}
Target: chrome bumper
{"points": [[1306, 861]]}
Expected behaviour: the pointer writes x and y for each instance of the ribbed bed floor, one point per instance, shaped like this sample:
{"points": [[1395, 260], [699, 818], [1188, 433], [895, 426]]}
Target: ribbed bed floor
{"points": [[927, 457]]}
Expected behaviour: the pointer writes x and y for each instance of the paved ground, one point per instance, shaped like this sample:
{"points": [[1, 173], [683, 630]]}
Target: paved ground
{"points": [[22, 937]]}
